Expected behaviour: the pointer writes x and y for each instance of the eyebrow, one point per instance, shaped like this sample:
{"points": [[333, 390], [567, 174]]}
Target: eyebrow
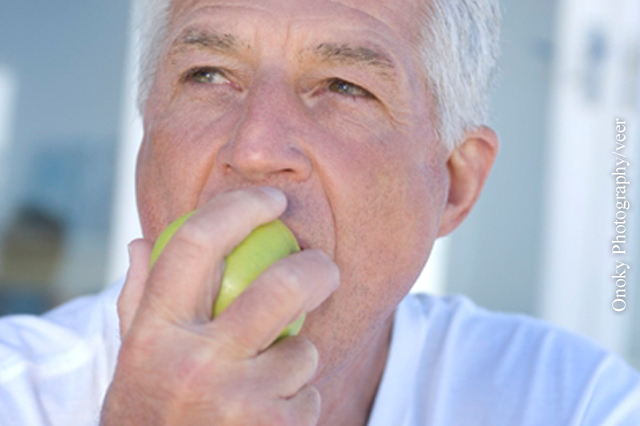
{"points": [[207, 40], [352, 55], [330, 53]]}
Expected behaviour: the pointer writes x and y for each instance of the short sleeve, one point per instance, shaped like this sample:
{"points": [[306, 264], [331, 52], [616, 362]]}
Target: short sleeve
{"points": [[613, 395]]}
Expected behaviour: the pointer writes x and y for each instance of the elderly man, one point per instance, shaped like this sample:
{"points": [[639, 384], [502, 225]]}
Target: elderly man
{"points": [[359, 125]]}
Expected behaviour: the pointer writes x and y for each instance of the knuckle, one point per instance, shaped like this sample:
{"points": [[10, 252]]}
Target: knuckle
{"points": [[202, 380], [288, 286], [253, 410], [190, 368], [191, 236], [139, 343], [232, 409], [300, 356]]}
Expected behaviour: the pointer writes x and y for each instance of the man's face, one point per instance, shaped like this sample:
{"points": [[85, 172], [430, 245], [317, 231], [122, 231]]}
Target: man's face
{"points": [[324, 100]]}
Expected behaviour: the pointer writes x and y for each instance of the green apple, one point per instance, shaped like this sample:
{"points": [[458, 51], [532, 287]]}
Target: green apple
{"points": [[263, 247]]}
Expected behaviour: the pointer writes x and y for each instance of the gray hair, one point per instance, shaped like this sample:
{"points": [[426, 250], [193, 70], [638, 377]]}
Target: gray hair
{"points": [[460, 49], [152, 25]]}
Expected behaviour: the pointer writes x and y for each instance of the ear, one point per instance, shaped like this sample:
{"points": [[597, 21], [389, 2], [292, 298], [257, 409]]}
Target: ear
{"points": [[469, 165]]}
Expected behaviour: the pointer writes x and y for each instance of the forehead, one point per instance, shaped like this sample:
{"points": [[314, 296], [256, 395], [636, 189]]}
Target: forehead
{"points": [[392, 18]]}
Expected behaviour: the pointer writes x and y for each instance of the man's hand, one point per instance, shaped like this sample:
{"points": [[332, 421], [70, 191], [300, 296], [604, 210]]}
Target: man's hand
{"points": [[178, 367]]}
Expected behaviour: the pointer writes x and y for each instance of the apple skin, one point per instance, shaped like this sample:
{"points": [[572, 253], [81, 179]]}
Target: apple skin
{"points": [[265, 245]]}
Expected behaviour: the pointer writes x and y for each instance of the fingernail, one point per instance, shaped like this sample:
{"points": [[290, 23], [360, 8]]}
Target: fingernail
{"points": [[274, 193]]}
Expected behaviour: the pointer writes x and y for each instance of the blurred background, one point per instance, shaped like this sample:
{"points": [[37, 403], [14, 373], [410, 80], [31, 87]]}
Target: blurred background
{"points": [[538, 242]]}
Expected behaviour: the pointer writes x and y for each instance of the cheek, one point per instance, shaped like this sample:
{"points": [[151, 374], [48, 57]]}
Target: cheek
{"points": [[388, 226], [387, 204], [386, 209], [394, 217], [174, 163]]}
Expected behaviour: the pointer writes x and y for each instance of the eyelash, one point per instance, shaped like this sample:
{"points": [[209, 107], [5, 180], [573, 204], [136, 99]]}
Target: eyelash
{"points": [[334, 85], [364, 93], [191, 74]]}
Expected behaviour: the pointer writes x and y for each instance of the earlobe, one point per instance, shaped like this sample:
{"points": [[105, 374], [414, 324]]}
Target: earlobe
{"points": [[469, 165]]}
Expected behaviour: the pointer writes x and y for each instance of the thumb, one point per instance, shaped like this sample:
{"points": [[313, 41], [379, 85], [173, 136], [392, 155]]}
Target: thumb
{"points": [[134, 285]]}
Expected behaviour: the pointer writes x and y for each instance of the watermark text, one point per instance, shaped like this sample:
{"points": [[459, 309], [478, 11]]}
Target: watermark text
{"points": [[620, 241]]}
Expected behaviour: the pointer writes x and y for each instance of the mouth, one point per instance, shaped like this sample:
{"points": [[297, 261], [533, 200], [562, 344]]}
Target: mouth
{"points": [[302, 243]]}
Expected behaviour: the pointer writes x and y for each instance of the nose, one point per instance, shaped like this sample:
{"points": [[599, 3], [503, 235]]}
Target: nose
{"points": [[268, 138]]}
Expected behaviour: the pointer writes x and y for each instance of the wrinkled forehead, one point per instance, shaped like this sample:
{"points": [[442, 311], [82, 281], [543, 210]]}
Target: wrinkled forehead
{"points": [[404, 17]]}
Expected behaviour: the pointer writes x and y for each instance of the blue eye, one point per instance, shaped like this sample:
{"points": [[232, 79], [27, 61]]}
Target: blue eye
{"points": [[207, 76], [346, 88]]}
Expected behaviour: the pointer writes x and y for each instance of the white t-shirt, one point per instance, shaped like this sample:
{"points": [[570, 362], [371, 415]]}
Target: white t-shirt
{"points": [[450, 363], [55, 369], [455, 364]]}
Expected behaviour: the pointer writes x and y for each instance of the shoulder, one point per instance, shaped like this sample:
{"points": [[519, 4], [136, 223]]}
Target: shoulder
{"points": [[457, 318], [39, 340], [493, 358], [69, 351]]}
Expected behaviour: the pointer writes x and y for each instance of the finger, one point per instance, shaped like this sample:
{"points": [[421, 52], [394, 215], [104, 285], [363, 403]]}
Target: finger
{"points": [[290, 364], [185, 279], [290, 287], [133, 289], [305, 406]]}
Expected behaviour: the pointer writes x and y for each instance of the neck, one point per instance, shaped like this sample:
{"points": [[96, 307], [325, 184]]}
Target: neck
{"points": [[348, 398]]}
